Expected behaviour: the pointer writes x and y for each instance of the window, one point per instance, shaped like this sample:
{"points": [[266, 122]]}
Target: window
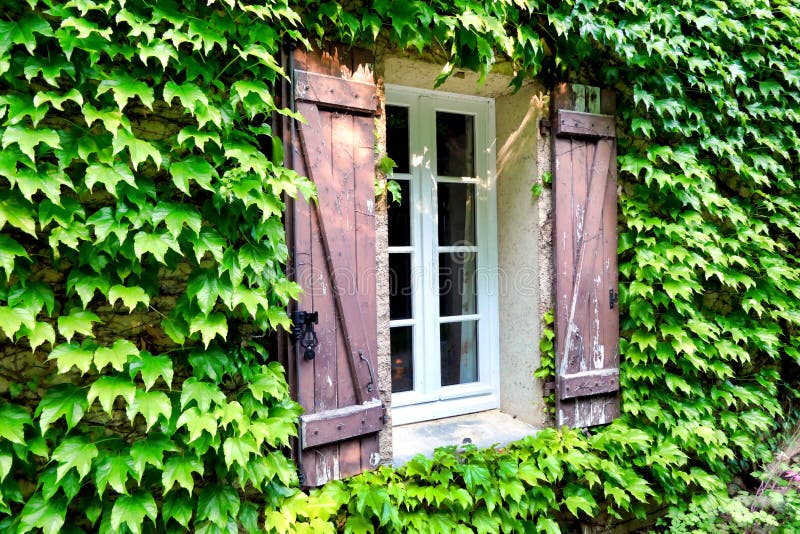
{"points": [[442, 255]]}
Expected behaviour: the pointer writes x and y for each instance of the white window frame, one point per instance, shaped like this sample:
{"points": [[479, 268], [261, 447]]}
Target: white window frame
{"points": [[428, 400]]}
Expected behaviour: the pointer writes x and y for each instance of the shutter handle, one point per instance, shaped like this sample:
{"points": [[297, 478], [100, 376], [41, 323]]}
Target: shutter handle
{"points": [[613, 297], [303, 332], [370, 384]]}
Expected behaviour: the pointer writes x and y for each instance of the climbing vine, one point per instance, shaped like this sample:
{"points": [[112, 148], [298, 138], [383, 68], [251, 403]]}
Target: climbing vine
{"points": [[142, 253]]}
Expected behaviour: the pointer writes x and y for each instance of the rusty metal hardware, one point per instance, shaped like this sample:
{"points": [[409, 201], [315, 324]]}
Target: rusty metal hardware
{"points": [[613, 297], [303, 332]]}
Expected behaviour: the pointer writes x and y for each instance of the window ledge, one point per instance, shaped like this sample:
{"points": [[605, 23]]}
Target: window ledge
{"points": [[482, 429]]}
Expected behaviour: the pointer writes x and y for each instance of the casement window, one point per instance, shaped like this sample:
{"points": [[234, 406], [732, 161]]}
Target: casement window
{"points": [[443, 259], [442, 254]]}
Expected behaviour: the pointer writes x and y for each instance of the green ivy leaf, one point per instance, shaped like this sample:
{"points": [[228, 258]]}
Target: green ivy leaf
{"points": [[208, 241], [47, 514], [579, 498], [188, 94], [107, 388], [13, 319], [117, 355], [132, 509], [29, 138], [178, 506], [547, 525], [6, 463], [203, 286], [10, 249], [199, 139], [179, 215], [210, 364], [17, 212], [109, 176], [179, 469], [13, 420], [65, 400], [209, 327], [33, 296], [113, 471], [157, 244], [151, 367], [195, 169], [22, 31], [138, 149], [217, 503], [68, 355], [196, 422], [78, 321], [202, 393], [161, 50], [237, 450], [267, 382], [21, 106], [150, 451], [151, 405], [131, 296], [104, 224], [112, 119], [74, 453], [123, 87]]}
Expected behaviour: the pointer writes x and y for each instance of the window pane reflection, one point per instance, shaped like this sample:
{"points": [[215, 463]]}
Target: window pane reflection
{"points": [[400, 218], [397, 137], [459, 352], [456, 203], [402, 358], [457, 291], [455, 144], [400, 286]]}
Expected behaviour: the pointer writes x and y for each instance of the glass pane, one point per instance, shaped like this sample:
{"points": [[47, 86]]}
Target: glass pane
{"points": [[397, 137], [455, 144], [459, 351], [402, 358], [400, 285], [456, 204], [400, 218], [457, 291]]}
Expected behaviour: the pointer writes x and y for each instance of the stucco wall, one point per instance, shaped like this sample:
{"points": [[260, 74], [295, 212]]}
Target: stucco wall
{"points": [[525, 249], [523, 252]]}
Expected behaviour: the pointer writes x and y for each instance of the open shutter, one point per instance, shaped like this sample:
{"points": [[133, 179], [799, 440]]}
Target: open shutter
{"points": [[333, 248], [585, 242]]}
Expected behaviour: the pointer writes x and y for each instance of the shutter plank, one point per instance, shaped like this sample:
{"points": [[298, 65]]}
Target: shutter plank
{"points": [[333, 92], [343, 172], [609, 318], [341, 424], [575, 123], [364, 170]]}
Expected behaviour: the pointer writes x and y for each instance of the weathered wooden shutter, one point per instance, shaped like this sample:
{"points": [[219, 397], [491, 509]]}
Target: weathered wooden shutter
{"points": [[333, 249], [585, 242]]}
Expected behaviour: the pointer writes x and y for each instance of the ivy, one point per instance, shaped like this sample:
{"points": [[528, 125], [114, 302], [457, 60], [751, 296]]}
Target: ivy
{"points": [[129, 131], [142, 248]]}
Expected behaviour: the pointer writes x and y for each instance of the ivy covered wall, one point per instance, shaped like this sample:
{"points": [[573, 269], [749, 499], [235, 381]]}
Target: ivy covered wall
{"points": [[140, 177]]}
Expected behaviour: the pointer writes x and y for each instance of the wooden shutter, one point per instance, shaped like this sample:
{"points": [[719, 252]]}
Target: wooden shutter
{"points": [[333, 249], [585, 242]]}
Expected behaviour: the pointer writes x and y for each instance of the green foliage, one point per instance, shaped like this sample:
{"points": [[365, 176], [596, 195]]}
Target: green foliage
{"points": [[135, 186], [141, 252], [546, 372]]}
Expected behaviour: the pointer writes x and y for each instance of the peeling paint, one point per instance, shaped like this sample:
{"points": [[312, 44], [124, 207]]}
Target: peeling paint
{"points": [[580, 214]]}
